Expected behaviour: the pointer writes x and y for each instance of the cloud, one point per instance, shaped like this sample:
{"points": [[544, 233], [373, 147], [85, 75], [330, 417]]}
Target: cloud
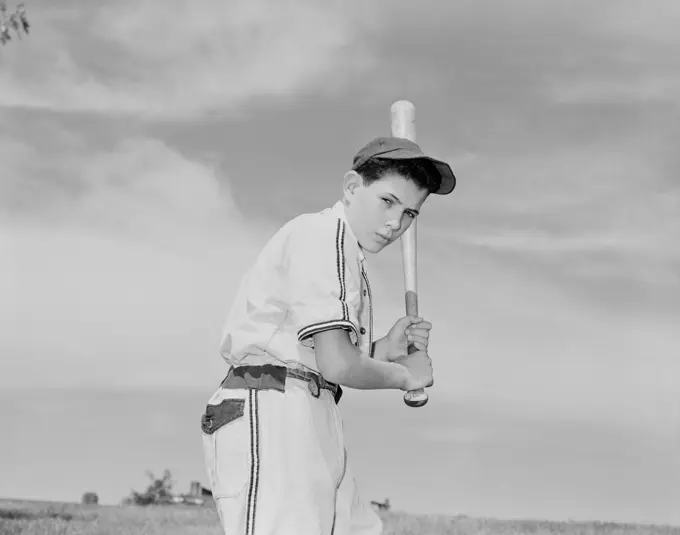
{"points": [[123, 271], [615, 89], [654, 24], [181, 58], [453, 435], [627, 61], [577, 204]]}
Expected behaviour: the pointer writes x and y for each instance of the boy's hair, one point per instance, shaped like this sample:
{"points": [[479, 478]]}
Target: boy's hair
{"points": [[421, 172]]}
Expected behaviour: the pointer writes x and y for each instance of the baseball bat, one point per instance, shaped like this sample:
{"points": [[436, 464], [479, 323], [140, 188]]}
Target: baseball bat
{"points": [[403, 115]]}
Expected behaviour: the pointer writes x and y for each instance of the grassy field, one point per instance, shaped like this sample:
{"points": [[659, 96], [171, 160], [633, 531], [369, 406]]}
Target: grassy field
{"points": [[38, 518]]}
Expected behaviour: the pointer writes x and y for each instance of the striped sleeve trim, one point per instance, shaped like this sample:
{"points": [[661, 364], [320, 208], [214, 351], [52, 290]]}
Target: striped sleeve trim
{"points": [[310, 330]]}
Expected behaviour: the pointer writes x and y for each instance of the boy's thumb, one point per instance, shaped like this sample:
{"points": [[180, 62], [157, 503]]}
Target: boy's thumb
{"points": [[412, 319]]}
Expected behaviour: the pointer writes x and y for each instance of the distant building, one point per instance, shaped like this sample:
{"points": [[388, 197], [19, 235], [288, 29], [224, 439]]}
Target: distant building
{"points": [[90, 498], [198, 495]]}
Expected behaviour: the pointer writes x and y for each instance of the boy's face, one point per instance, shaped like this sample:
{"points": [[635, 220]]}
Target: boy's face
{"points": [[381, 212]]}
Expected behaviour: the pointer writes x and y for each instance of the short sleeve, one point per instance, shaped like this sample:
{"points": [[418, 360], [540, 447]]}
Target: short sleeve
{"points": [[323, 293]]}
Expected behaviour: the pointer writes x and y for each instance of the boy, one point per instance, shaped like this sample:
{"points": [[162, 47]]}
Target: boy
{"points": [[301, 327]]}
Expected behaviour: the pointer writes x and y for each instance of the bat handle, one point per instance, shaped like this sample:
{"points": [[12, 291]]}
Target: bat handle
{"points": [[414, 398]]}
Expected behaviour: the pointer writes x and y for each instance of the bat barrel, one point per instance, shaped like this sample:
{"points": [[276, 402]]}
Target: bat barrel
{"points": [[403, 115]]}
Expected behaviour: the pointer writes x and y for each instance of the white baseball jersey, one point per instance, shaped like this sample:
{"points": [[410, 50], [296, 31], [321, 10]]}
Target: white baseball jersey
{"points": [[277, 461], [310, 277]]}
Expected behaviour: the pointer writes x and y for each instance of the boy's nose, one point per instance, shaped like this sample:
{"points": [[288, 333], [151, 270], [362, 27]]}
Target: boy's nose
{"points": [[392, 225]]}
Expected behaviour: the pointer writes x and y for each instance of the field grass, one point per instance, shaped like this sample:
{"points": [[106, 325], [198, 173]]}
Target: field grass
{"points": [[47, 518]]}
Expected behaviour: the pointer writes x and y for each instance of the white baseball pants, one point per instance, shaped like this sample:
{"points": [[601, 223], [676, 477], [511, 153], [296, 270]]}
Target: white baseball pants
{"points": [[277, 465]]}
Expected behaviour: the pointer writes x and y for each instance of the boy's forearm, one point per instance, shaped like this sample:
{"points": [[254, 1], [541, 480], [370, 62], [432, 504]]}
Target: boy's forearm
{"points": [[343, 363], [370, 374]]}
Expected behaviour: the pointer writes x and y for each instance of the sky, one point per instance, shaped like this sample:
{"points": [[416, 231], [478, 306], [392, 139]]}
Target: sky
{"points": [[148, 152]]}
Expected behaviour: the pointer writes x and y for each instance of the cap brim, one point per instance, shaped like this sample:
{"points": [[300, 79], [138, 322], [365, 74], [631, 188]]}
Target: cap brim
{"points": [[446, 173]]}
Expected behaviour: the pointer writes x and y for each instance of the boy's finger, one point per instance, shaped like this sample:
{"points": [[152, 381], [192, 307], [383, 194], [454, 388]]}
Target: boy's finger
{"points": [[419, 332], [418, 339], [424, 325]]}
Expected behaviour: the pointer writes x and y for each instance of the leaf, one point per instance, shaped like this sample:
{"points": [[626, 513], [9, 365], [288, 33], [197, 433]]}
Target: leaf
{"points": [[16, 21]]}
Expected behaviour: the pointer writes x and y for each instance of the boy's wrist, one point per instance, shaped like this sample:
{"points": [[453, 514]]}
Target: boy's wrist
{"points": [[401, 375]]}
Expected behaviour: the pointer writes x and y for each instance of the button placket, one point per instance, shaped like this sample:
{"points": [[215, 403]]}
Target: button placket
{"points": [[367, 292]]}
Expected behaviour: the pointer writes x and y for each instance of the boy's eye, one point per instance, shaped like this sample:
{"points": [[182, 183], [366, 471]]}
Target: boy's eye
{"points": [[411, 214], [388, 201]]}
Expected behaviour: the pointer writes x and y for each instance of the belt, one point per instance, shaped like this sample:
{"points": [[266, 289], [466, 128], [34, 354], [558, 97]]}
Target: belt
{"points": [[271, 377]]}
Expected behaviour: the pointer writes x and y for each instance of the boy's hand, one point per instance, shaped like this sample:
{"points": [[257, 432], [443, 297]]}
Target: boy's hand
{"points": [[419, 370], [409, 329]]}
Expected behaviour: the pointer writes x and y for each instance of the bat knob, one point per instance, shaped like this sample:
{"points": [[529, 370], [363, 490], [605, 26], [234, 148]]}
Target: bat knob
{"points": [[416, 398]]}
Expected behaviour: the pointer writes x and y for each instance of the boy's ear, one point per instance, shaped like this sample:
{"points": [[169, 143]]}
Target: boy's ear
{"points": [[351, 182]]}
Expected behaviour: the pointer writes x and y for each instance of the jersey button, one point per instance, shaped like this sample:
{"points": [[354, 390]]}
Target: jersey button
{"points": [[365, 293], [362, 330]]}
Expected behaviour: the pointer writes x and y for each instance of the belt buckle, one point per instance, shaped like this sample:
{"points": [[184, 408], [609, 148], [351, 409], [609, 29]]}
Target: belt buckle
{"points": [[314, 386]]}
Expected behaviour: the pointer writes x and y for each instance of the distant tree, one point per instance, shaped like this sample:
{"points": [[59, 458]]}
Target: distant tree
{"points": [[385, 506], [158, 492], [12, 21]]}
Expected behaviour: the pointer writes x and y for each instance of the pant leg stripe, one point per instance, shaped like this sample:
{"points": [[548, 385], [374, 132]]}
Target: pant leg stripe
{"points": [[257, 454], [254, 462]]}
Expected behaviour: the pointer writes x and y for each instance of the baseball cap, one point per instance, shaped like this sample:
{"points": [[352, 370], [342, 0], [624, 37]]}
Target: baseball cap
{"points": [[398, 148]]}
